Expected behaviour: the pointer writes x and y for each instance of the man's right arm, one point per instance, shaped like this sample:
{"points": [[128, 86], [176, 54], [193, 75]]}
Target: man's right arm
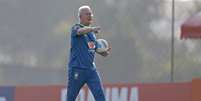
{"points": [[86, 29]]}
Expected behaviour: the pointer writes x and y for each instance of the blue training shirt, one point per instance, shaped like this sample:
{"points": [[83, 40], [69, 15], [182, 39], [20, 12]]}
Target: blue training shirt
{"points": [[82, 51]]}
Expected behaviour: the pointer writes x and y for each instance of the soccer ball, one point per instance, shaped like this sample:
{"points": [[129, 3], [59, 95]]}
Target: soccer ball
{"points": [[102, 45]]}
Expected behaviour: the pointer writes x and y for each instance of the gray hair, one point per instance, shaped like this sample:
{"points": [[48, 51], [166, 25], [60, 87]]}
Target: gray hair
{"points": [[81, 8]]}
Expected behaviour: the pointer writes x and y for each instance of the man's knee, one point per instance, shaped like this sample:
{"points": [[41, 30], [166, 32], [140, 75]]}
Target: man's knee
{"points": [[71, 97], [99, 95]]}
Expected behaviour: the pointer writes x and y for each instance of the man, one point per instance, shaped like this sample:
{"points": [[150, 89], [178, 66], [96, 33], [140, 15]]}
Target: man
{"points": [[82, 69]]}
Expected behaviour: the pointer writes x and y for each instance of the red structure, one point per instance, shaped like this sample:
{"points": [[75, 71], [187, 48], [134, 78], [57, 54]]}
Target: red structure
{"points": [[191, 28], [186, 91]]}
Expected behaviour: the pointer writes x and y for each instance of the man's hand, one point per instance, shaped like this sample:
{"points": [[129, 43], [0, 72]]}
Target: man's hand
{"points": [[106, 53], [96, 29]]}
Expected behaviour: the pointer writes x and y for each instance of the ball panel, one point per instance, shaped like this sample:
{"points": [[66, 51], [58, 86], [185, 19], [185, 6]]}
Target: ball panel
{"points": [[102, 45]]}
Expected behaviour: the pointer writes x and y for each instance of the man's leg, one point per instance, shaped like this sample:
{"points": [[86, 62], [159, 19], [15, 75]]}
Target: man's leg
{"points": [[95, 85], [76, 79]]}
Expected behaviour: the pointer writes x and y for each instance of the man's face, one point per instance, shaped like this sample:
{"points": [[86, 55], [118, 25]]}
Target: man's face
{"points": [[86, 16]]}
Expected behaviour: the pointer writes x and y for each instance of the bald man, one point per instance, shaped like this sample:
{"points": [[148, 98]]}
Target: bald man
{"points": [[81, 67]]}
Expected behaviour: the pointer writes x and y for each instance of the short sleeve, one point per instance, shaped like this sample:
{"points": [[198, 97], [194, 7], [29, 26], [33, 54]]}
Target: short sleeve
{"points": [[74, 30]]}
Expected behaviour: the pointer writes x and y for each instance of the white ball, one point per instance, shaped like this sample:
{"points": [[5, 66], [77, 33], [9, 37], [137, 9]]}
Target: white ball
{"points": [[102, 45]]}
